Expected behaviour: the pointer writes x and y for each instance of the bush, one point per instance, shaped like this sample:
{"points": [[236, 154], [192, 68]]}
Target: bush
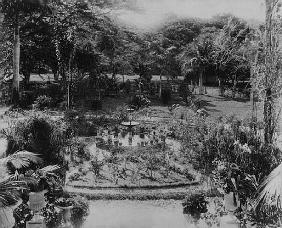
{"points": [[232, 141], [195, 204], [38, 134], [140, 101], [43, 102], [166, 96], [80, 209]]}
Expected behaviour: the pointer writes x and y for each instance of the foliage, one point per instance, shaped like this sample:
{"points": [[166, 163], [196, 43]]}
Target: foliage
{"points": [[140, 101], [43, 102], [231, 141], [96, 166], [166, 96], [51, 216], [232, 179], [80, 208], [269, 195], [42, 179], [195, 204], [39, 134], [22, 213], [9, 191], [20, 160], [63, 202]]}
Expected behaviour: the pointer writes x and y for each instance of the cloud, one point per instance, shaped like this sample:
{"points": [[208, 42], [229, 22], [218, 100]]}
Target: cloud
{"points": [[152, 13]]}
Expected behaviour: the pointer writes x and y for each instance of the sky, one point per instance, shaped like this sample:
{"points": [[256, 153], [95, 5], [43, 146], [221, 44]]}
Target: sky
{"points": [[151, 13]]}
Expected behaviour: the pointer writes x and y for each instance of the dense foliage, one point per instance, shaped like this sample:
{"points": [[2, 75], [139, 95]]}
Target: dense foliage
{"points": [[39, 134]]}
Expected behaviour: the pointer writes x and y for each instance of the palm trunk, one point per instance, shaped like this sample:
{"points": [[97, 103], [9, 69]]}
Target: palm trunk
{"points": [[16, 63]]}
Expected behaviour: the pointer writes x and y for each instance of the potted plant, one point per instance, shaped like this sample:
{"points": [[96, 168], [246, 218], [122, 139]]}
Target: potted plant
{"points": [[65, 205], [40, 182], [195, 204]]}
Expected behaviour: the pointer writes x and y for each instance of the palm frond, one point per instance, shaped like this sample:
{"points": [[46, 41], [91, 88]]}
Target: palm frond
{"points": [[49, 169], [23, 159], [270, 191], [9, 192]]}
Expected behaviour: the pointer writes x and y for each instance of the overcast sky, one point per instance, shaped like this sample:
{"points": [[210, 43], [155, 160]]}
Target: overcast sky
{"points": [[153, 12]]}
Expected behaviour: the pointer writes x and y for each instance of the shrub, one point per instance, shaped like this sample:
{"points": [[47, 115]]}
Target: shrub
{"points": [[195, 204], [140, 101], [51, 216], [43, 102], [127, 86], [232, 141], [80, 209], [166, 96], [38, 134]]}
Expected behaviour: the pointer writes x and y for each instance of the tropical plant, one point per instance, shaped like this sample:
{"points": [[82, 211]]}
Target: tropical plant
{"points": [[42, 179], [80, 209], [11, 185], [42, 102], [39, 134], [195, 204], [270, 190], [20, 160], [140, 101], [22, 213], [10, 191]]}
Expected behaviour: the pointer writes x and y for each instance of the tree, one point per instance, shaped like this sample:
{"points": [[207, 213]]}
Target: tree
{"points": [[272, 70], [15, 11], [198, 56], [230, 61]]}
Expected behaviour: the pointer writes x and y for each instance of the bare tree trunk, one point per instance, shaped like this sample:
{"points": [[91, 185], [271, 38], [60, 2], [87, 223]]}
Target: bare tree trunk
{"points": [[268, 101], [160, 90], [201, 91], [16, 63]]}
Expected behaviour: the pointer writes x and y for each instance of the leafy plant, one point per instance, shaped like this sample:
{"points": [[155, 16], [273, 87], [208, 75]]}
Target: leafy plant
{"points": [[38, 134], [195, 204], [80, 209], [140, 101], [22, 213], [63, 202], [43, 102], [51, 216], [166, 96], [9, 191]]}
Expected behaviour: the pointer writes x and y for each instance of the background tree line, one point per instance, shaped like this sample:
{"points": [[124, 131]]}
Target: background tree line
{"points": [[72, 39]]}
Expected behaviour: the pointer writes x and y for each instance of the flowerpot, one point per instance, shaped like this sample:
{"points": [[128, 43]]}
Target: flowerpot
{"points": [[37, 201], [66, 212], [36, 222], [229, 203], [6, 218]]}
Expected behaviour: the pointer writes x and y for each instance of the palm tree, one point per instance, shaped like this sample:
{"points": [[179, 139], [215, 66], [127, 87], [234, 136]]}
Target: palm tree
{"points": [[270, 191]]}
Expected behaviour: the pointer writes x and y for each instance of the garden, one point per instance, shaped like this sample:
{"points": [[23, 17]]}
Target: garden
{"points": [[105, 125]]}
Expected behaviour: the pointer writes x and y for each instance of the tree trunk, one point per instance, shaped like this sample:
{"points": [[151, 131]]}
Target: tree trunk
{"points": [[26, 79], [160, 90], [201, 91], [16, 63], [268, 101]]}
